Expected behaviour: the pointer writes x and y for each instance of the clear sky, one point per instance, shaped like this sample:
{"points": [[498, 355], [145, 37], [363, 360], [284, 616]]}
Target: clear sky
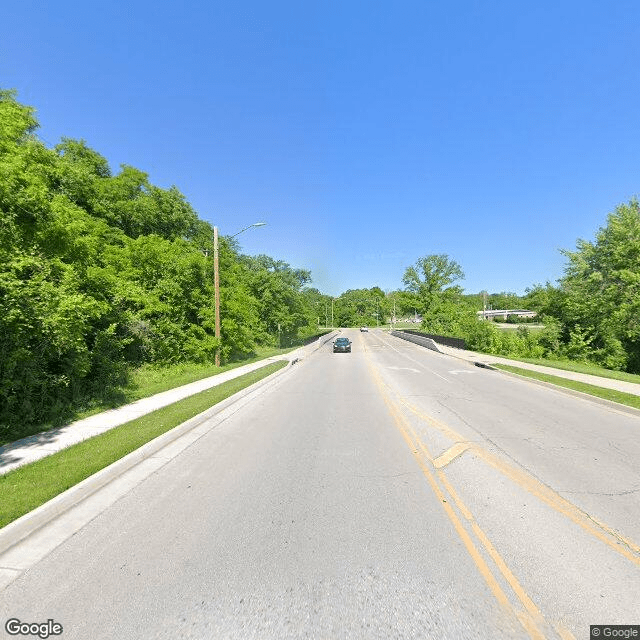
{"points": [[366, 134]]}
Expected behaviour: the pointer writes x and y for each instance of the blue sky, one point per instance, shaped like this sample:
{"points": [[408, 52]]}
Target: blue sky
{"points": [[366, 134]]}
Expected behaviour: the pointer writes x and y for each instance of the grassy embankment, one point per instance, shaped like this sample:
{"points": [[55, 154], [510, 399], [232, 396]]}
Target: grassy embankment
{"points": [[533, 328], [146, 381], [27, 487]]}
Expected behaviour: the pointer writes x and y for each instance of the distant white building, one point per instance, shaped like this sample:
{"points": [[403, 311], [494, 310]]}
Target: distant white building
{"points": [[505, 313]]}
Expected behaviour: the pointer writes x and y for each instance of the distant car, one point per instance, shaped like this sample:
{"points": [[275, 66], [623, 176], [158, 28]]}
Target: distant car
{"points": [[342, 345], [364, 328]]}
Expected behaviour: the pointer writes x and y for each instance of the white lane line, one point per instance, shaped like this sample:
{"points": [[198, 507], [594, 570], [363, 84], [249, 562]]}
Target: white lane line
{"points": [[404, 369], [413, 360]]}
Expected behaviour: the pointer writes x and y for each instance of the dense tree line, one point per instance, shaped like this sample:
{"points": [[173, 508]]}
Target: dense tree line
{"points": [[594, 310], [101, 272], [591, 315]]}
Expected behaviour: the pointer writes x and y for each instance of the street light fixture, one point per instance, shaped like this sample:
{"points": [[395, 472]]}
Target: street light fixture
{"points": [[216, 280]]}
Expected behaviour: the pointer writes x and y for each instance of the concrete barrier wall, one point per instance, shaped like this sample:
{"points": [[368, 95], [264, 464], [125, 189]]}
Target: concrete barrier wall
{"points": [[425, 342]]}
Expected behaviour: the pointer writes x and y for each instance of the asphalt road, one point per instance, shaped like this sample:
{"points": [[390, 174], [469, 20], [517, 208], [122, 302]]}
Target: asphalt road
{"points": [[388, 493]]}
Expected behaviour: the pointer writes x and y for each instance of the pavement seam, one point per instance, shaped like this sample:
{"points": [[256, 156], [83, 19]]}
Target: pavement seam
{"points": [[474, 540]]}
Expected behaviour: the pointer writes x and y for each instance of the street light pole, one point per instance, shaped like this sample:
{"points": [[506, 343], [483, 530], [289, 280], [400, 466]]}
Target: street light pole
{"points": [[216, 291], [216, 281]]}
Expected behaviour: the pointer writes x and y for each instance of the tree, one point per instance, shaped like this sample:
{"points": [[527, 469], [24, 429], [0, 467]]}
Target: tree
{"points": [[357, 307], [601, 307], [277, 288], [546, 300], [432, 278], [101, 273], [17, 121]]}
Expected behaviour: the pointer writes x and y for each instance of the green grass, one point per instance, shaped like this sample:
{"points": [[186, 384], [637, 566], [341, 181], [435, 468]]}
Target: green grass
{"points": [[608, 394], [580, 367], [398, 325], [147, 381], [406, 325], [533, 328], [27, 487]]}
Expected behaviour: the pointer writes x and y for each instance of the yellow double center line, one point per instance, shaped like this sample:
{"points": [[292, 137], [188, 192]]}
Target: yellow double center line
{"points": [[530, 616], [614, 540]]}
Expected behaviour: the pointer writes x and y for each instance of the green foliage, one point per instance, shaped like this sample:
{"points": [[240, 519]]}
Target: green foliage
{"points": [[447, 312], [545, 299], [16, 120], [432, 279], [597, 304], [358, 307], [593, 315], [280, 312], [103, 272], [431, 285]]}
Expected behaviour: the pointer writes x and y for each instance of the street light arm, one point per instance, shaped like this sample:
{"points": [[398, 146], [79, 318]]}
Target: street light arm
{"points": [[255, 224]]}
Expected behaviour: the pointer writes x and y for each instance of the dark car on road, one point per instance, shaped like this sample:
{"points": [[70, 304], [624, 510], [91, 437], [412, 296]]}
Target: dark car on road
{"points": [[342, 345]]}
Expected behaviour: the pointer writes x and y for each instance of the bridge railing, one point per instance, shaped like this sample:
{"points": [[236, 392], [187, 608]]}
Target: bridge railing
{"points": [[457, 343]]}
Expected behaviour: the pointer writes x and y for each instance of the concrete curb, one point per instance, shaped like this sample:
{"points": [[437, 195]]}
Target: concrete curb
{"points": [[314, 346], [572, 392], [19, 530], [32, 448]]}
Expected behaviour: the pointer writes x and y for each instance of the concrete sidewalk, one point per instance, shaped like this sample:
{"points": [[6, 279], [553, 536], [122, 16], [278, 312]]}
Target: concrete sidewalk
{"points": [[598, 381], [43, 444]]}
